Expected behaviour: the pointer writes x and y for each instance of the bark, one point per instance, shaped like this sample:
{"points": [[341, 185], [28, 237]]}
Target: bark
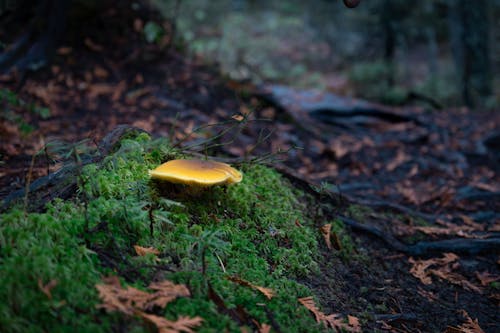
{"points": [[469, 36]]}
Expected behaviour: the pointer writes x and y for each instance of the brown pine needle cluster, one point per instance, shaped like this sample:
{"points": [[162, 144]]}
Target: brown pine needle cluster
{"points": [[333, 320], [142, 251], [442, 268], [135, 302], [470, 326], [265, 291]]}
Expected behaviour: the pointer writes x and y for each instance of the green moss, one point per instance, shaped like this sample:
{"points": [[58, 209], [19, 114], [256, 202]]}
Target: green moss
{"points": [[247, 230]]}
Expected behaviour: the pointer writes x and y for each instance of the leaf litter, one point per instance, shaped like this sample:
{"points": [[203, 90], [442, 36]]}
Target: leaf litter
{"points": [[134, 302], [443, 268], [142, 251], [64, 96], [334, 320]]}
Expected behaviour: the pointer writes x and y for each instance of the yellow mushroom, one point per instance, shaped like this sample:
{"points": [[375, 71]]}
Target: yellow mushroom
{"points": [[197, 172]]}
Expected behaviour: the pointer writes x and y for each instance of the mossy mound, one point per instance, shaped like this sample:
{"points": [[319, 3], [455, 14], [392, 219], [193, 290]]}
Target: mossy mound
{"points": [[256, 230]]}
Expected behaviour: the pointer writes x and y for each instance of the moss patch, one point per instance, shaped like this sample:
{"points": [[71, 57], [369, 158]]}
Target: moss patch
{"points": [[256, 230]]}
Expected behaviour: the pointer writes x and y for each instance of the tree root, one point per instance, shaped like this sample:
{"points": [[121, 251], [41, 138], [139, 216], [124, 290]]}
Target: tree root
{"points": [[424, 248]]}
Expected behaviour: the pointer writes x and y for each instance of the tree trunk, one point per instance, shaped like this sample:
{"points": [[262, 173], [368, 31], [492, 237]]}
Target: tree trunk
{"points": [[469, 32]]}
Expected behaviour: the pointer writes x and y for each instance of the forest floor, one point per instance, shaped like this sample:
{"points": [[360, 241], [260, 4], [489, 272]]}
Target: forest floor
{"points": [[427, 175]]}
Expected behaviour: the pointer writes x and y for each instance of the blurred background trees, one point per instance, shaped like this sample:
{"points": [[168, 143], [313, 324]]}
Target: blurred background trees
{"points": [[385, 50]]}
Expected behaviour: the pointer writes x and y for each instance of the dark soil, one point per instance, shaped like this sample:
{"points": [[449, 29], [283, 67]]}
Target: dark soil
{"points": [[442, 172]]}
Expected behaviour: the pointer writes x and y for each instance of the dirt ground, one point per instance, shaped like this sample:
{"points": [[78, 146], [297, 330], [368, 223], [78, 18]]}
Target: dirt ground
{"points": [[432, 179]]}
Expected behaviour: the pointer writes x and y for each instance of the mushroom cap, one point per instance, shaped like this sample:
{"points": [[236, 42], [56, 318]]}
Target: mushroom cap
{"points": [[197, 172]]}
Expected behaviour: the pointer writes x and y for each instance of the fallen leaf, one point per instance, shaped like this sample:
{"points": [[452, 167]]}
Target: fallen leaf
{"points": [[441, 268], [333, 320], [129, 299], [142, 251], [46, 288], [165, 292], [182, 324], [237, 117], [419, 268], [325, 230], [124, 300], [354, 322], [398, 160], [264, 328], [466, 229], [470, 326], [269, 293], [424, 192], [486, 278], [446, 273], [308, 302]]}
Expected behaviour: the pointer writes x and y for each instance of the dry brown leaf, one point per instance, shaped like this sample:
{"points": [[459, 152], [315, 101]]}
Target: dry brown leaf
{"points": [[463, 230], [325, 230], [486, 278], [129, 299], [269, 293], [115, 298], [47, 288], [420, 267], [308, 302], [470, 326], [399, 159], [456, 230], [418, 270], [424, 192], [166, 291], [470, 222], [333, 320], [142, 251], [441, 268], [339, 149], [264, 328], [354, 322], [182, 324], [237, 117], [445, 273]]}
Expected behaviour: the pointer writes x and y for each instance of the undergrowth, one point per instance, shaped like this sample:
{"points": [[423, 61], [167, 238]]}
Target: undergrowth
{"points": [[256, 230]]}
